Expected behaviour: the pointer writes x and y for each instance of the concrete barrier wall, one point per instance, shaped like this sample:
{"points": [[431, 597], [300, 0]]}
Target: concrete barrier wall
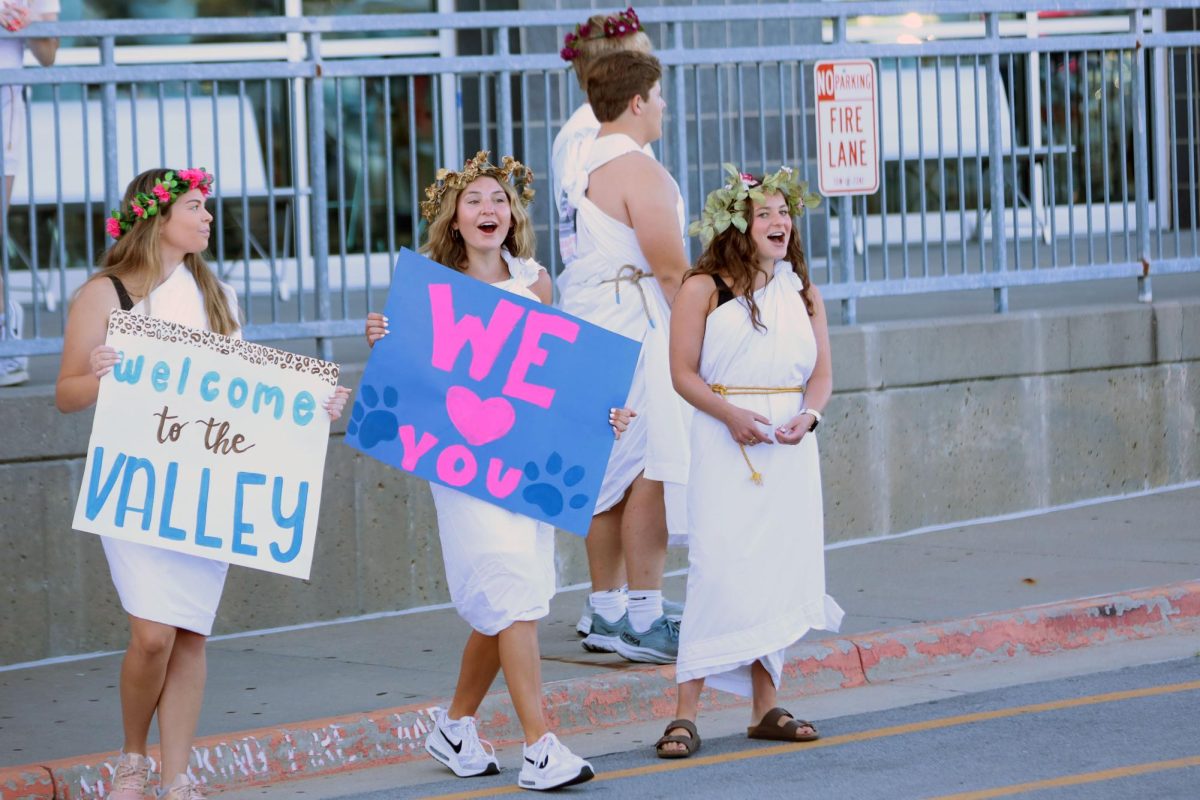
{"points": [[932, 422]]}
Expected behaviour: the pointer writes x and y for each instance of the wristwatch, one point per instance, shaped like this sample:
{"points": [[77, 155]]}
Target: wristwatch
{"points": [[816, 415]]}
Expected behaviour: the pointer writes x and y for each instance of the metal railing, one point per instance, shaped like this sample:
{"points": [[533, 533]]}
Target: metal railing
{"points": [[1009, 159]]}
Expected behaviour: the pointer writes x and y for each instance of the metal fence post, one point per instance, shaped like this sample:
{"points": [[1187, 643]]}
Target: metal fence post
{"points": [[320, 192], [845, 214], [504, 110], [108, 122], [1141, 170], [681, 147], [996, 163]]}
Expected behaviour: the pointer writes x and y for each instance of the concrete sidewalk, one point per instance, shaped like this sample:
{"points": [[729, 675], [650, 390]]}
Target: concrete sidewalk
{"points": [[306, 702]]}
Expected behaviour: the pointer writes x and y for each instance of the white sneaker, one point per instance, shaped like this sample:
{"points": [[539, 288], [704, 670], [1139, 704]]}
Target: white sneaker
{"points": [[548, 764], [584, 626], [130, 778], [455, 743]]}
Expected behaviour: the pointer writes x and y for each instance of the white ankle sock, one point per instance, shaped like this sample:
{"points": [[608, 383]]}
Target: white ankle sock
{"points": [[609, 604], [645, 606]]}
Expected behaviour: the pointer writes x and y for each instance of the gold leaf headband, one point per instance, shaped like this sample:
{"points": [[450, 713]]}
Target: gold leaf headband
{"points": [[516, 174]]}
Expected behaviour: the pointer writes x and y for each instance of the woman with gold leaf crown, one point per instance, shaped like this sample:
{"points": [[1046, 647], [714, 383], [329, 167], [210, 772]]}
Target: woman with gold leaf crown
{"points": [[750, 351], [156, 268], [499, 564]]}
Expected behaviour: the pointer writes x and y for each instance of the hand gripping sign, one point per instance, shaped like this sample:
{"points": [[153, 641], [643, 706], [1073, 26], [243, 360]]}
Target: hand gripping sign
{"points": [[207, 445], [493, 394]]}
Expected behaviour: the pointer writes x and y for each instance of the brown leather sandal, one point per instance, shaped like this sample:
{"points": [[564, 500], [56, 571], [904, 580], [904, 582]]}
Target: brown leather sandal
{"points": [[780, 726], [691, 742]]}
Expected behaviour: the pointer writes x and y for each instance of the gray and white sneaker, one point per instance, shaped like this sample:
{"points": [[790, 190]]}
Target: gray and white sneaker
{"points": [[548, 764], [13, 370], [659, 644], [584, 626], [605, 635], [456, 743], [671, 609]]}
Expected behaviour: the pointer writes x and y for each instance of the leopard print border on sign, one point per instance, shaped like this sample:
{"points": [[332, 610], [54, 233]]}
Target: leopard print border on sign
{"points": [[250, 352]]}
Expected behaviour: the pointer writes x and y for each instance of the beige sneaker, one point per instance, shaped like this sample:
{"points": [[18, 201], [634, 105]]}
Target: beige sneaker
{"points": [[182, 788], [129, 779]]}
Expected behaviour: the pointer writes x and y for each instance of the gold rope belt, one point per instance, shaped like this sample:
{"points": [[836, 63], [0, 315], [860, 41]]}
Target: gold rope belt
{"points": [[633, 275], [726, 391]]}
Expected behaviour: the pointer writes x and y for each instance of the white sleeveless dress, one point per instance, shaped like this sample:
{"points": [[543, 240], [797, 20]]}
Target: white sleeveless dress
{"points": [[656, 442], [160, 585], [756, 577], [499, 564]]}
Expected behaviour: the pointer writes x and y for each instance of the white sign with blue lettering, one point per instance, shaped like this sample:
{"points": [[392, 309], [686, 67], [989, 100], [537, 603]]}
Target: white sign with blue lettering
{"points": [[208, 445]]}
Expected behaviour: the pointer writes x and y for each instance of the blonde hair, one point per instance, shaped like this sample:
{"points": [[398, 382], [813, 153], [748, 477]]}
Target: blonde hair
{"points": [[589, 50], [445, 245], [136, 259]]}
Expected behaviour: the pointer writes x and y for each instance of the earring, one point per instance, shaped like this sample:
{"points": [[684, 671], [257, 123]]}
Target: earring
{"points": [[454, 233]]}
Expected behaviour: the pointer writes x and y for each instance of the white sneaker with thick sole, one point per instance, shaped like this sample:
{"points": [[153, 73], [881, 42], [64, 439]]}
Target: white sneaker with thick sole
{"points": [[548, 764], [456, 744]]}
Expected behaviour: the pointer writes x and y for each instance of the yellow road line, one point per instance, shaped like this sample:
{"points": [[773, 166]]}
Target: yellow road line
{"points": [[860, 736], [1075, 780]]}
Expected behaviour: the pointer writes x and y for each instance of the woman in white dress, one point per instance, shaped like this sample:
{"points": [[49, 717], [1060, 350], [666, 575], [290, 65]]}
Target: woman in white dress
{"points": [[499, 564], [750, 351], [155, 268]]}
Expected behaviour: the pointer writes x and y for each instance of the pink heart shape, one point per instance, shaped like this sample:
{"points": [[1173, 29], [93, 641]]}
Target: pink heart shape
{"points": [[479, 421]]}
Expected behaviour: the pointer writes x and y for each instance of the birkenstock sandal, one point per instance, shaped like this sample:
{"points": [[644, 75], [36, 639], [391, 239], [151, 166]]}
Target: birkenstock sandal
{"points": [[780, 726], [691, 742]]}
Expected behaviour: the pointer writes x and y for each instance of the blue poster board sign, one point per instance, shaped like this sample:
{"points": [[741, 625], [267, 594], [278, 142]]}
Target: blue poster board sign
{"points": [[493, 394]]}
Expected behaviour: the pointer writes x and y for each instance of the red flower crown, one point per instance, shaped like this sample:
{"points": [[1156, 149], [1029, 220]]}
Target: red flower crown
{"points": [[164, 192], [623, 23]]}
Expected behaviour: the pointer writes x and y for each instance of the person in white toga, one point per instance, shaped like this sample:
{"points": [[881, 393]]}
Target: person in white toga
{"points": [[14, 16]]}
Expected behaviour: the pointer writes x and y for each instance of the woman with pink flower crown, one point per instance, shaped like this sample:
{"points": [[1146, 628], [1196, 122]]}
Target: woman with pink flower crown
{"points": [[155, 268]]}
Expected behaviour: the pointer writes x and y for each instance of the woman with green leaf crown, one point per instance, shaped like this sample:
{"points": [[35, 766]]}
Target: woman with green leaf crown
{"points": [[750, 351]]}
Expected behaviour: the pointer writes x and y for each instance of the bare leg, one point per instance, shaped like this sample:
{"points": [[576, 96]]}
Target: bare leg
{"points": [[765, 692], [606, 561], [522, 661], [687, 707], [644, 534], [143, 673], [476, 674], [179, 707]]}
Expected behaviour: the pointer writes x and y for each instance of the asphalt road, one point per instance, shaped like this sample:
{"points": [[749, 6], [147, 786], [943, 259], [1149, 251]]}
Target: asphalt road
{"points": [[1129, 733]]}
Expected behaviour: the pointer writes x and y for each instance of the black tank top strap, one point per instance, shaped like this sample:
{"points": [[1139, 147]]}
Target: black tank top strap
{"points": [[724, 293], [122, 294]]}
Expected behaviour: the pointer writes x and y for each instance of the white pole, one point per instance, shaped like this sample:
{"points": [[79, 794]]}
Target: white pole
{"points": [[296, 52]]}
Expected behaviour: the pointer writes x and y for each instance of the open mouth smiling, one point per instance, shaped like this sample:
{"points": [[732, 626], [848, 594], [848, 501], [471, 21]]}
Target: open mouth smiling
{"points": [[488, 227], [779, 237]]}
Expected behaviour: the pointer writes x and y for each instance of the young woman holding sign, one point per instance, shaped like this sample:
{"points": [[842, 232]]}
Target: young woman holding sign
{"points": [[750, 350], [155, 268], [499, 564]]}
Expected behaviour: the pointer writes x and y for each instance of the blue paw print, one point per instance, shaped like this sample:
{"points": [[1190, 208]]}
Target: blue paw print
{"points": [[544, 494], [373, 425]]}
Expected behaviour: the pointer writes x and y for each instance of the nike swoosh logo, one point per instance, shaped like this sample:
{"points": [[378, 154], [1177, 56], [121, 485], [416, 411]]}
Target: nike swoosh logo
{"points": [[542, 765], [457, 747]]}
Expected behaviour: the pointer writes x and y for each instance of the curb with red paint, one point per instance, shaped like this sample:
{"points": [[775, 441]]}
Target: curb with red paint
{"points": [[328, 746]]}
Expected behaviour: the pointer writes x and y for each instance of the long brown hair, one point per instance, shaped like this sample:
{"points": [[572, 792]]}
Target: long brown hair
{"points": [[733, 253], [136, 259], [445, 245]]}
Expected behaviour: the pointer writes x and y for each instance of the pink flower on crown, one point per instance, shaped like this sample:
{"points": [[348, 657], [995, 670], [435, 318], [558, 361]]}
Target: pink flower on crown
{"points": [[138, 211], [112, 226], [162, 193], [747, 177], [196, 179], [585, 31]]}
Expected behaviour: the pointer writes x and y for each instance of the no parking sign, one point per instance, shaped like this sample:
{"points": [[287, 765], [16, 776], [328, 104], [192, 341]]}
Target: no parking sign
{"points": [[847, 127]]}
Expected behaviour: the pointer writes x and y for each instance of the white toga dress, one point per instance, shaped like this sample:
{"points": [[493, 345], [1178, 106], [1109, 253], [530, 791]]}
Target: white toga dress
{"points": [[161, 585], [596, 287], [756, 577], [499, 564]]}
